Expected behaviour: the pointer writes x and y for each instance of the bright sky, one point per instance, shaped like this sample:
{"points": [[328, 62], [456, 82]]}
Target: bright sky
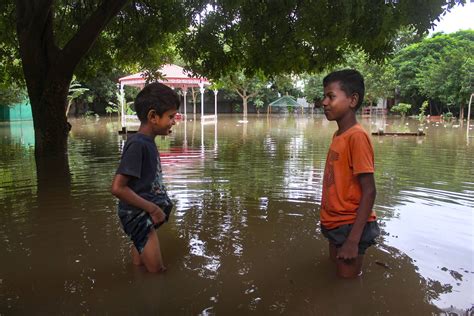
{"points": [[460, 18]]}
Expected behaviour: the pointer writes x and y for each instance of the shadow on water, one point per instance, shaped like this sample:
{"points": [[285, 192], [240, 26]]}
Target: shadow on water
{"points": [[244, 237]]}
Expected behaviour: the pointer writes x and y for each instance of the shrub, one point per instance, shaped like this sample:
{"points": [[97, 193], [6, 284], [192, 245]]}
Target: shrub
{"points": [[401, 108]]}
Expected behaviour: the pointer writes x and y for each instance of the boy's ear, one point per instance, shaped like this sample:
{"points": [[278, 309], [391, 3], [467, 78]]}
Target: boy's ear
{"points": [[354, 100], [151, 115]]}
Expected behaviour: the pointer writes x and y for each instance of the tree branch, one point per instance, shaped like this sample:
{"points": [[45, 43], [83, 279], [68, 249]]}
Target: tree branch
{"points": [[88, 33], [251, 95], [238, 92]]}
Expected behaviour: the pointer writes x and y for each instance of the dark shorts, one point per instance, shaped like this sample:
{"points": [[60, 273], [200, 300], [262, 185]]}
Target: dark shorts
{"points": [[338, 235], [137, 223]]}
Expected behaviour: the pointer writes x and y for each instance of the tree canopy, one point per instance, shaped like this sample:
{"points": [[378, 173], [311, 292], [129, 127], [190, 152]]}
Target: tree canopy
{"points": [[137, 35], [297, 36], [439, 68]]}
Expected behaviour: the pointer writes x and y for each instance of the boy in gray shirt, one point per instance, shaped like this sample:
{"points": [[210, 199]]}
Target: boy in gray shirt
{"points": [[143, 202]]}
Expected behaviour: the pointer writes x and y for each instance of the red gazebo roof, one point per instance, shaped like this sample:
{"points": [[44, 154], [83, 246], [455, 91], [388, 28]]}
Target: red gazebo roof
{"points": [[173, 76]]}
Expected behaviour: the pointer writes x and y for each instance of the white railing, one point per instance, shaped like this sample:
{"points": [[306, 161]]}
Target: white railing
{"points": [[130, 120]]}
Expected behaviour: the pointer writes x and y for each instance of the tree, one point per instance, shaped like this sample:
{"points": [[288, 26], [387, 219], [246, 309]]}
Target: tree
{"points": [[76, 90], [451, 78], [121, 103], [55, 39], [103, 90], [379, 78], [407, 36], [11, 94], [284, 84], [245, 87], [438, 68], [313, 88], [194, 93], [401, 108]]}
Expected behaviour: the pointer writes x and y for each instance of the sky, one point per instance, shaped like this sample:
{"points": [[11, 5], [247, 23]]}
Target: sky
{"points": [[460, 18]]}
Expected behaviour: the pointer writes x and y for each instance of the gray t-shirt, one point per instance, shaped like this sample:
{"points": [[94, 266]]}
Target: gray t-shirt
{"points": [[141, 161]]}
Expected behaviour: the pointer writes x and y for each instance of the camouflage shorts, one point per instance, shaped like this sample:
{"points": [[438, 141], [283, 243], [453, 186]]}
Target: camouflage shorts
{"points": [[137, 223]]}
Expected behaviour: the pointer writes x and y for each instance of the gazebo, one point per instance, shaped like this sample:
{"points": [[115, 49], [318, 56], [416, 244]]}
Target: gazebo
{"points": [[174, 76], [284, 102]]}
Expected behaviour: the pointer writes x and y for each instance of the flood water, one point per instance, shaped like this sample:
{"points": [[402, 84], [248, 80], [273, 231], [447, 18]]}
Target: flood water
{"points": [[244, 238]]}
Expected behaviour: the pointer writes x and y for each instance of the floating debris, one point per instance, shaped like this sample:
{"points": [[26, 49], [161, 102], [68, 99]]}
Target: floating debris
{"points": [[382, 264]]}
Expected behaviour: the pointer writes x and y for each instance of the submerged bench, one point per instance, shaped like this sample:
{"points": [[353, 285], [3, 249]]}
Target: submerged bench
{"points": [[125, 131], [382, 133]]}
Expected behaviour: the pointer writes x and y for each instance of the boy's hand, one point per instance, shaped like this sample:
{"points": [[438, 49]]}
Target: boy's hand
{"points": [[157, 214], [348, 251]]}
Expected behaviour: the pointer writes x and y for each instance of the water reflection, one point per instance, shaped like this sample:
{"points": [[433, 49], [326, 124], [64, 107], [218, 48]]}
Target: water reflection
{"points": [[244, 237]]}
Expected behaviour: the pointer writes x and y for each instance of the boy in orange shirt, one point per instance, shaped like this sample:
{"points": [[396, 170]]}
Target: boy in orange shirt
{"points": [[347, 218]]}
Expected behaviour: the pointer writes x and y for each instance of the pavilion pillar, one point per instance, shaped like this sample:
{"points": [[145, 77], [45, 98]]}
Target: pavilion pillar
{"points": [[185, 92], [201, 89], [215, 103], [122, 108]]}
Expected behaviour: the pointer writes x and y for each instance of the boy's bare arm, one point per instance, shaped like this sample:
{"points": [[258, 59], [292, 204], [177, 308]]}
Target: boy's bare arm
{"points": [[121, 190], [350, 248]]}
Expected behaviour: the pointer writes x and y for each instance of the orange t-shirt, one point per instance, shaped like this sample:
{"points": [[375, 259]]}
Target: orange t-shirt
{"points": [[350, 154]]}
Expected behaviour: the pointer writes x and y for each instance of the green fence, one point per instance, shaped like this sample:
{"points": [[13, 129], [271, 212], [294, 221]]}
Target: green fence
{"points": [[16, 112]]}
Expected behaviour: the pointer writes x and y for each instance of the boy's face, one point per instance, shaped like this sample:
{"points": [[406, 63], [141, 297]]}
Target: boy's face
{"points": [[162, 124], [336, 103]]}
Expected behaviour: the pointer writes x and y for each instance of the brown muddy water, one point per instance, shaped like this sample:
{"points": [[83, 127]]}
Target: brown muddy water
{"points": [[244, 238]]}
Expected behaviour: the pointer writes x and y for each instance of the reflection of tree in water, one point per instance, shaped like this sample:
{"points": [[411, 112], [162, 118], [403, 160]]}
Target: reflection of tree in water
{"points": [[400, 265], [17, 191], [434, 289], [17, 170], [94, 151], [262, 162]]}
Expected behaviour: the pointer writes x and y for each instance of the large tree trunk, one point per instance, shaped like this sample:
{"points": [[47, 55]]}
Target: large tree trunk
{"points": [[51, 130], [47, 87], [49, 118], [48, 72], [48, 69]]}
